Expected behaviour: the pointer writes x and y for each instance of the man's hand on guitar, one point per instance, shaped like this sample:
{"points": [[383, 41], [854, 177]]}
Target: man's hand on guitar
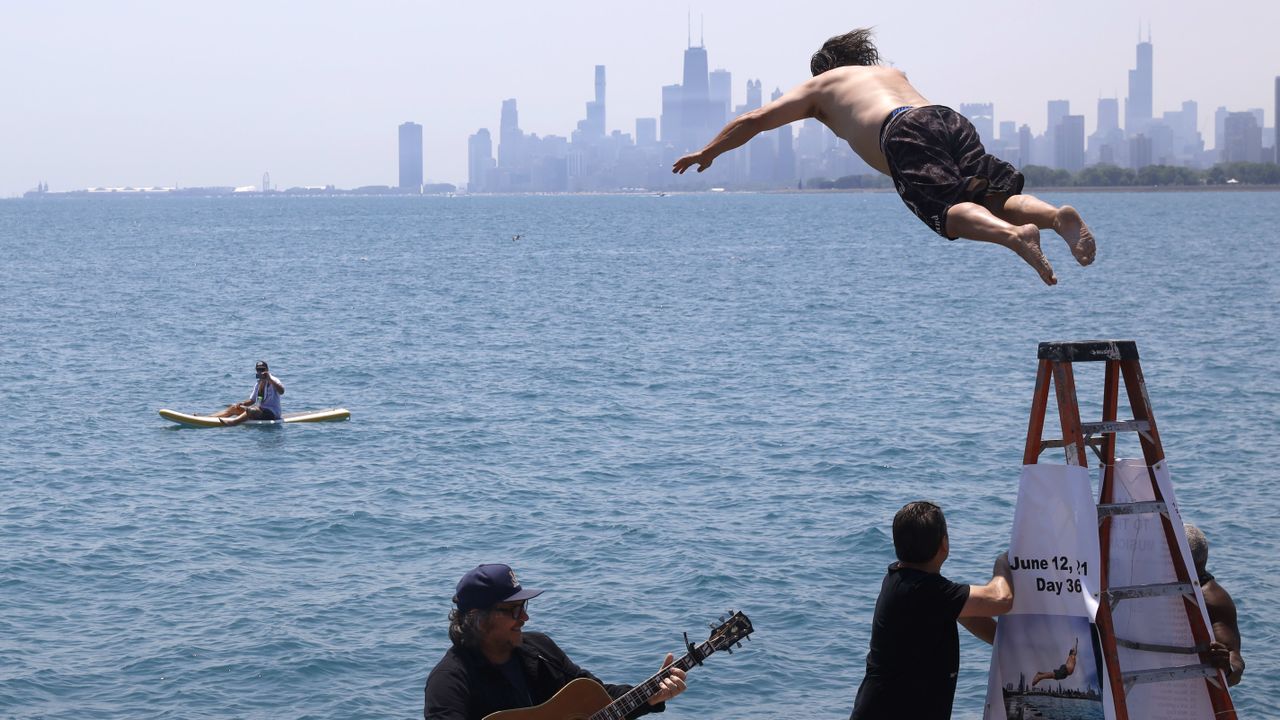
{"points": [[672, 685]]}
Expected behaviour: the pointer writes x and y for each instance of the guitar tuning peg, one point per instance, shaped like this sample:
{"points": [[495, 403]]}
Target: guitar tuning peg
{"points": [[711, 625], [739, 645], [729, 650], [721, 618]]}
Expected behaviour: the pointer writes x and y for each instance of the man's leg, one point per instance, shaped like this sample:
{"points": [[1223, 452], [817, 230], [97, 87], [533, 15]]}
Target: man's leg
{"points": [[228, 411], [1066, 221], [975, 222]]}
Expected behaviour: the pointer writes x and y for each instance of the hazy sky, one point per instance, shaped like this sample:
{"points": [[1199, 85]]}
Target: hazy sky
{"points": [[205, 93]]}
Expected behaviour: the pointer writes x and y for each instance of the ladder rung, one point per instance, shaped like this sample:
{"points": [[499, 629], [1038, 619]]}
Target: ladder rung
{"points": [[1153, 647], [1180, 672], [1088, 350], [1111, 427], [1133, 508], [1135, 592], [1094, 443]]}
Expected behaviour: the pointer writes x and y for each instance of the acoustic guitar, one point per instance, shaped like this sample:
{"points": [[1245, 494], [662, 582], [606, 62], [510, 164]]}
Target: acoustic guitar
{"points": [[585, 699]]}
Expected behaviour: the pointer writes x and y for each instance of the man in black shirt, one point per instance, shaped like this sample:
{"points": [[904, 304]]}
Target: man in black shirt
{"points": [[494, 665], [915, 648]]}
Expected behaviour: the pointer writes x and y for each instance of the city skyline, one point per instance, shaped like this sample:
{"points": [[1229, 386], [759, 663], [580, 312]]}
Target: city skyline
{"points": [[309, 92]]}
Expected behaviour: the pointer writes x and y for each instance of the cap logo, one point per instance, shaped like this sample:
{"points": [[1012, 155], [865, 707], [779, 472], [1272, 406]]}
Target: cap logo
{"points": [[514, 581]]}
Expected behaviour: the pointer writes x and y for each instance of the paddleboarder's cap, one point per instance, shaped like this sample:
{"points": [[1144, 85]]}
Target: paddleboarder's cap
{"points": [[262, 365], [489, 585]]}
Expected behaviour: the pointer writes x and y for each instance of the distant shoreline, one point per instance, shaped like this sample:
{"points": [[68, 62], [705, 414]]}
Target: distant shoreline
{"points": [[776, 191]]}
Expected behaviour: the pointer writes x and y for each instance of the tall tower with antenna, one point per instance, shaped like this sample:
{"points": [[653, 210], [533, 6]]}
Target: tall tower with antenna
{"points": [[1138, 107]]}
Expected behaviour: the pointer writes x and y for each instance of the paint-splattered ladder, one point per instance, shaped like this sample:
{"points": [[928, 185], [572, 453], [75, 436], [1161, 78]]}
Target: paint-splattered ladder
{"points": [[1121, 358]]}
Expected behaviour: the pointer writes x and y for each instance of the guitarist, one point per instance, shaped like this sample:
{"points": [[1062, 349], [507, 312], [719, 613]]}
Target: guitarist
{"points": [[494, 665]]}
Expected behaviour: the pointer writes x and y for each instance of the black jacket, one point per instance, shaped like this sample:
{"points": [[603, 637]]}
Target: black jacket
{"points": [[466, 686]]}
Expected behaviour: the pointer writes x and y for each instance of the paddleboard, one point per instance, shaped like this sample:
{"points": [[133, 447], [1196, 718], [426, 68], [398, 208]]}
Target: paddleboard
{"points": [[292, 417]]}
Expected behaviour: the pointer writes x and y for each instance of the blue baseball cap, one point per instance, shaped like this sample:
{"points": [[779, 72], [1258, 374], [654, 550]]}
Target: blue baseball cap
{"points": [[489, 585]]}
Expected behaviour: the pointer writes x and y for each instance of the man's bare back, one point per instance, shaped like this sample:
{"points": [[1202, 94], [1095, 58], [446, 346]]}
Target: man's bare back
{"points": [[854, 101]]}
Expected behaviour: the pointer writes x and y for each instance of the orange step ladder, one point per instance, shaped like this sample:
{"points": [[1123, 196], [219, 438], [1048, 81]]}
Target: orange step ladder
{"points": [[1121, 358]]}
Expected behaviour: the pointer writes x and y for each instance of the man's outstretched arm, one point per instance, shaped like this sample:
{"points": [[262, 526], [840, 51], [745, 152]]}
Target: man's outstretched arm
{"points": [[987, 601], [994, 598], [797, 104]]}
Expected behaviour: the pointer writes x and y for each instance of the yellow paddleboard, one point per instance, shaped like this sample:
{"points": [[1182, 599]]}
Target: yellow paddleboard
{"points": [[294, 417]]}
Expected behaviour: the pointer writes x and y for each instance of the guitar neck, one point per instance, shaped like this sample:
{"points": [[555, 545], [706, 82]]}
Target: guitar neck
{"points": [[640, 694]]}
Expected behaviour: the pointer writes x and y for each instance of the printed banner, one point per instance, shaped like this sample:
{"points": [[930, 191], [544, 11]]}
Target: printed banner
{"points": [[1046, 662]]}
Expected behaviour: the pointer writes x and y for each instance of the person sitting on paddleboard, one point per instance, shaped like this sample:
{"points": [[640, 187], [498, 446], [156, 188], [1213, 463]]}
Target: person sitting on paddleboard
{"points": [[263, 404]]}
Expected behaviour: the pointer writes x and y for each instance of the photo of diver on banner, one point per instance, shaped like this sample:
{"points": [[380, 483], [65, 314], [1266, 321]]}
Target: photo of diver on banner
{"points": [[1038, 678]]}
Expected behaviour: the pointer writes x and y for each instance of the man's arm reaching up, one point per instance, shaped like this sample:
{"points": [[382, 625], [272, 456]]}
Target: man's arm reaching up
{"points": [[987, 601], [797, 104]]}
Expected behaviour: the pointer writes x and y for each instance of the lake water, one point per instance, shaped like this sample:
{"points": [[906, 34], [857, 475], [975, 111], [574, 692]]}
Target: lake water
{"points": [[654, 408]]}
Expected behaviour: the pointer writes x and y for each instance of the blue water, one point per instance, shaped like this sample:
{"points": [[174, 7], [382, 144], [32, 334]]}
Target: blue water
{"points": [[655, 408]]}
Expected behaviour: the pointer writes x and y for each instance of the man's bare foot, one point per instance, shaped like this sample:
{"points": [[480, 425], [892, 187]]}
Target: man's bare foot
{"points": [[1026, 242], [1071, 227]]}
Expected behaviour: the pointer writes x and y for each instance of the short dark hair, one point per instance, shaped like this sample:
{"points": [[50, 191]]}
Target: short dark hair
{"points": [[466, 628], [918, 530], [851, 48]]}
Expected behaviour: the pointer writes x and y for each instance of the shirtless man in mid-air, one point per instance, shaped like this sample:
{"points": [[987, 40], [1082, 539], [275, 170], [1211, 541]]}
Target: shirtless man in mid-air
{"points": [[933, 153]]}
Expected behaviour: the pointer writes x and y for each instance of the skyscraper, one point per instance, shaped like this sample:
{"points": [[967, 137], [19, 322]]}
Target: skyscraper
{"points": [[509, 135], [1242, 138], [1057, 110], [696, 114], [411, 156], [594, 126], [1138, 106], [1108, 115], [1106, 144], [479, 161], [755, 95], [721, 87], [1068, 143], [600, 95], [982, 115], [671, 118], [696, 83], [646, 132]]}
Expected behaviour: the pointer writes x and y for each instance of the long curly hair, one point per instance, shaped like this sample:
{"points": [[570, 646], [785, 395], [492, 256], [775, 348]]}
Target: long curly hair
{"points": [[466, 628], [852, 48]]}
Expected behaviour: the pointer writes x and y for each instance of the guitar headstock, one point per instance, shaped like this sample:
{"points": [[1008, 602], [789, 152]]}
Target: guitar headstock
{"points": [[730, 632]]}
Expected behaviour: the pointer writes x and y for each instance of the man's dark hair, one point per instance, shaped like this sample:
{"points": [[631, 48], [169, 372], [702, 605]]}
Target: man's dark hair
{"points": [[465, 628], [918, 530], [851, 48]]}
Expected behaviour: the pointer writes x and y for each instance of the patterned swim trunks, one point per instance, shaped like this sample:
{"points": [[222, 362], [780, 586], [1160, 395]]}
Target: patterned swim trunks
{"points": [[937, 160]]}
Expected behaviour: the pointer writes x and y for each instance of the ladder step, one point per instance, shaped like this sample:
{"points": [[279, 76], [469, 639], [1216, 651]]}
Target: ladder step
{"points": [[1088, 351], [1137, 592], [1134, 508], [1108, 427], [1169, 674], [1100, 428], [1095, 443], [1154, 647]]}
